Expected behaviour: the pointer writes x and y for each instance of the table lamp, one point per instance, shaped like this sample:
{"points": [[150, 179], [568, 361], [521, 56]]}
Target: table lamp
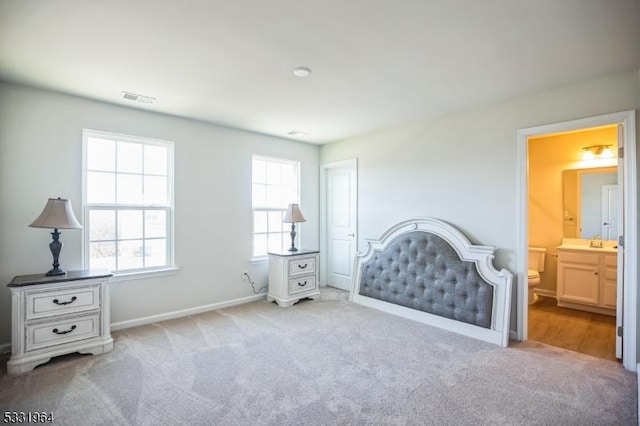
{"points": [[293, 216], [57, 214]]}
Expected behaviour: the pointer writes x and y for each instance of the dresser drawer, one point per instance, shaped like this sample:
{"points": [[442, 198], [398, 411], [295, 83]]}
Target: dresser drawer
{"points": [[62, 331], [305, 265], [42, 304], [302, 283]]}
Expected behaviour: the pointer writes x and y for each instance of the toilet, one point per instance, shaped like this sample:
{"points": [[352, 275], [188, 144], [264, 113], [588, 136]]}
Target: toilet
{"points": [[535, 267]]}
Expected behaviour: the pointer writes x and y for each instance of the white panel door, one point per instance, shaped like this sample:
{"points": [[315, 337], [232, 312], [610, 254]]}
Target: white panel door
{"points": [[341, 225], [609, 212]]}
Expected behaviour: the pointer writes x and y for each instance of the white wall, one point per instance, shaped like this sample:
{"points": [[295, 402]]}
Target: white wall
{"points": [[462, 167], [40, 157]]}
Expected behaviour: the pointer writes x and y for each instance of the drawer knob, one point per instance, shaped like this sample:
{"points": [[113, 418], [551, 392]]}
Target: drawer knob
{"points": [[302, 284], [57, 302], [302, 266], [55, 330]]}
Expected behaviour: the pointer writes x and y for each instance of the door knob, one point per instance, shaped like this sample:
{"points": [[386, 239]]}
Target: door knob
{"points": [[351, 235]]}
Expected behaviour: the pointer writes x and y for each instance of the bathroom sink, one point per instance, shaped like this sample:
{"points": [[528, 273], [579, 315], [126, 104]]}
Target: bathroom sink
{"points": [[580, 244], [608, 249]]}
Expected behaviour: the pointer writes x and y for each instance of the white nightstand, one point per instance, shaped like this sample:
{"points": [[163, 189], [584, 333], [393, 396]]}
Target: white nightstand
{"points": [[293, 276], [58, 315]]}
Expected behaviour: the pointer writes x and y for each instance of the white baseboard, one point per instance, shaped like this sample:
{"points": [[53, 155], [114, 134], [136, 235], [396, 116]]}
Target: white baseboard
{"points": [[545, 293], [6, 347], [184, 312]]}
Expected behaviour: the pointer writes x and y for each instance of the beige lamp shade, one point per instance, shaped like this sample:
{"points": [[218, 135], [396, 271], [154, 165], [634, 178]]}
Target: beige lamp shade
{"points": [[57, 214], [294, 215]]}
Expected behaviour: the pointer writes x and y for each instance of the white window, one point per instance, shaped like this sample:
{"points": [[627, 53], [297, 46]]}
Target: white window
{"points": [[274, 187], [128, 203]]}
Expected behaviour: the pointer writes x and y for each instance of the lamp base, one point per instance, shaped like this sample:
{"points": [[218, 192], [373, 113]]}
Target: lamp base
{"points": [[293, 237], [55, 246], [55, 272]]}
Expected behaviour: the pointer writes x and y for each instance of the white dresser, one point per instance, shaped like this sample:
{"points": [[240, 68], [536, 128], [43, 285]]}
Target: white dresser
{"points": [[293, 276], [53, 316]]}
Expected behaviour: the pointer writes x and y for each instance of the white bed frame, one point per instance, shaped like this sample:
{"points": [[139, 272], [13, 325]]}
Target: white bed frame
{"points": [[482, 256]]}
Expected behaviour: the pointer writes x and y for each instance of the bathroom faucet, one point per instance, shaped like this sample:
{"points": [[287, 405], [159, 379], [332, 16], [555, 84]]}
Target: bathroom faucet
{"points": [[596, 242]]}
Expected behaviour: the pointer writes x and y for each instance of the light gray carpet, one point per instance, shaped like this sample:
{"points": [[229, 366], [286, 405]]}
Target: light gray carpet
{"points": [[321, 362]]}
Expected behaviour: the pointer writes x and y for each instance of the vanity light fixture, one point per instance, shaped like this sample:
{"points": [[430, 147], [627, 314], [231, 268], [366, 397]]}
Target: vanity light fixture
{"points": [[597, 152]]}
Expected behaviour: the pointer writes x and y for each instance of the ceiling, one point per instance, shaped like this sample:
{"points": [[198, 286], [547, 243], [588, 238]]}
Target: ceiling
{"points": [[375, 63]]}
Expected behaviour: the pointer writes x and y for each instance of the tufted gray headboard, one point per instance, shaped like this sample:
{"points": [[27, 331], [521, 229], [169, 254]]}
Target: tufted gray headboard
{"points": [[425, 269], [420, 270]]}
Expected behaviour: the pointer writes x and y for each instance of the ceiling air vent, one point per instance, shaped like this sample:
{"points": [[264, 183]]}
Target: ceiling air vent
{"points": [[297, 133], [138, 98]]}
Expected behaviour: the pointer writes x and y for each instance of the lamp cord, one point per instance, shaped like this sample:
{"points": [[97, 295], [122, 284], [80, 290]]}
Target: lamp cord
{"points": [[253, 284]]}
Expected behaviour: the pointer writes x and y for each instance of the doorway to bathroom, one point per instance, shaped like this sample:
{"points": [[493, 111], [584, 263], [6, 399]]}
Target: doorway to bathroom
{"points": [[566, 170], [572, 281]]}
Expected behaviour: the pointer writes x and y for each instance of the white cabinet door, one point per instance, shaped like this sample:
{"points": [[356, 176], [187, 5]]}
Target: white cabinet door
{"points": [[578, 283]]}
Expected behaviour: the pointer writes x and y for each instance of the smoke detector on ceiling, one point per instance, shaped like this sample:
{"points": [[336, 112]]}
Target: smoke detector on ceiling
{"points": [[129, 96], [301, 71]]}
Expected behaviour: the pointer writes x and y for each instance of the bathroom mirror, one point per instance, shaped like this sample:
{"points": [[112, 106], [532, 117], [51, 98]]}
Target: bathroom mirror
{"points": [[589, 199]]}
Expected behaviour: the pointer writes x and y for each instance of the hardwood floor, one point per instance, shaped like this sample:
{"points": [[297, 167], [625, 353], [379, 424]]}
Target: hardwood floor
{"points": [[584, 332]]}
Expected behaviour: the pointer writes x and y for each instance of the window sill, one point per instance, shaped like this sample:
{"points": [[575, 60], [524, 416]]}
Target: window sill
{"points": [[259, 260], [129, 276]]}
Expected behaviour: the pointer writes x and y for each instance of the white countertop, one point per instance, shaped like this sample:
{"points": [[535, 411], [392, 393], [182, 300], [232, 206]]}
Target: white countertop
{"points": [[608, 246]]}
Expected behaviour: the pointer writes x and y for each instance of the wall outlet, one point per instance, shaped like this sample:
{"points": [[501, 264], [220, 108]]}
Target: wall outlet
{"points": [[245, 275]]}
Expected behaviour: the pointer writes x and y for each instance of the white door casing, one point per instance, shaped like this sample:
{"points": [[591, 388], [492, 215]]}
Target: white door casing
{"points": [[339, 217], [628, 297]]}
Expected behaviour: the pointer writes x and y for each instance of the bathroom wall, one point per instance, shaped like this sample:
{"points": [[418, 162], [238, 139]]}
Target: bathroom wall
{"points": [[549, 155]]}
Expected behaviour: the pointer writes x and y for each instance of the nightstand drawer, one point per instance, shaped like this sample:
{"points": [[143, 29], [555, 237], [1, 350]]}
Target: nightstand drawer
{"points": [[62, 301], [62, 331], [302, 283], [305, 265]]}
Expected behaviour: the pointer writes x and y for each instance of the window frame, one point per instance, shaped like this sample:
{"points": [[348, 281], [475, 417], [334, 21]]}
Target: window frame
{"points": [[168, 207], [285, 232]]}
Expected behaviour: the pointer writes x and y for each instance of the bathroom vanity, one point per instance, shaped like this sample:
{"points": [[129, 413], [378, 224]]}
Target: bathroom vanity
{"points": [[587, 276]]}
